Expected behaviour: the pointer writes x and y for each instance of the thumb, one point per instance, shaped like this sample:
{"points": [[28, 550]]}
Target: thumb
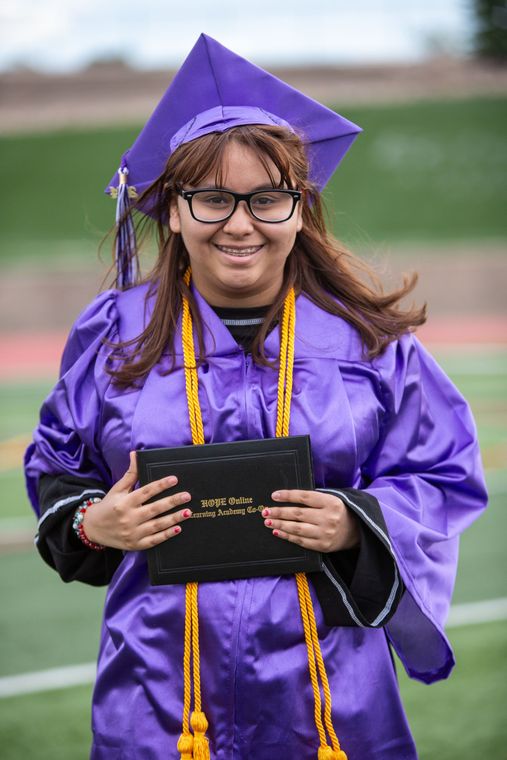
{"points": [[128, 481]]}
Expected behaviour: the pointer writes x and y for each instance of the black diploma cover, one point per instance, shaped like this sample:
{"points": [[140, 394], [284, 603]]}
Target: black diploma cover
{"points": [[230, 484]]}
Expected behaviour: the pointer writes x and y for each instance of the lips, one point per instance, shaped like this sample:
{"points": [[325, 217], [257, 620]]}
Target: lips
{"points": [[239, 251]]}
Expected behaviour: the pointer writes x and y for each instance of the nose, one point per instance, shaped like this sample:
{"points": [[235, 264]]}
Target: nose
{"points": [[241, 222]]}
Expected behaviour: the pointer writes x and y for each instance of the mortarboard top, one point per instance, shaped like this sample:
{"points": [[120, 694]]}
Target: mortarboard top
{"points": [[234, 91]]}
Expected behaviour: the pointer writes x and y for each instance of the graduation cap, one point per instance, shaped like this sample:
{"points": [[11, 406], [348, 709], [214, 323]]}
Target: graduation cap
{"points": [[216, 90]]}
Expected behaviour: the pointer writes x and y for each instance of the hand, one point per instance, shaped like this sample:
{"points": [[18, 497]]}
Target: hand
{"points": [[320, 522], [122, 520]]}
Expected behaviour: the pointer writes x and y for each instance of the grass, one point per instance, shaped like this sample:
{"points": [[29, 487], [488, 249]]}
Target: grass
{"points": [[14, 503], [50, 624], [424, 171], [49, 726], [77, 608], [68, 616], [19, 406], [464, 716], [419, 172], [459, 718], [32, 591]]}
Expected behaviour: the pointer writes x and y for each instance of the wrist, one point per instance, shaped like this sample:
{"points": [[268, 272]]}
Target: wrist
{"points": [[353, 532], [78, 524]]}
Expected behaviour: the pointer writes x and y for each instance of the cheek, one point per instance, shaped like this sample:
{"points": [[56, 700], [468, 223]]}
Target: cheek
{"points": [[290, 237]]}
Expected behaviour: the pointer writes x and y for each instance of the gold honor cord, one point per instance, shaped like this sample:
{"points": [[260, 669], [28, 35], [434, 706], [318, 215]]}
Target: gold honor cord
{"points": [[195, 746]]}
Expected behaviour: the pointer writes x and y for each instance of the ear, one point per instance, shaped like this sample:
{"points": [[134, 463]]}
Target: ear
{"points": [[299, 212], [174, 216]]}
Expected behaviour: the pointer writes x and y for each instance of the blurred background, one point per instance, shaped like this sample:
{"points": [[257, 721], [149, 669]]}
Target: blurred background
{"points": [[423, 189]]}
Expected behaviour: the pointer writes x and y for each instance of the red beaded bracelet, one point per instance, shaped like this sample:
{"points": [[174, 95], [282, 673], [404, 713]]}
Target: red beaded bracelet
{"points": [[77, 524]]}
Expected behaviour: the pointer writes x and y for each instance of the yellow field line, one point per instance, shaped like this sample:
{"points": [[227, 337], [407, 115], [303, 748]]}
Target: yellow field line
{"points": [[12, 451]]}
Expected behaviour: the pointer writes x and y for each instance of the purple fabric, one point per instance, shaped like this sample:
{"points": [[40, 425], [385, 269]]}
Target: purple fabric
{"points": [[395, 426], [213, 77], [222, 118]]}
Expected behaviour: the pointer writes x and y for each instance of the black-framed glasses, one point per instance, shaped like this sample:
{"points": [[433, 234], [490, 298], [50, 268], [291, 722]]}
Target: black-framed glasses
{"points": [[217, 205]]}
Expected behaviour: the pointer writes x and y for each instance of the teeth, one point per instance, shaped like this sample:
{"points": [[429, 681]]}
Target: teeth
{"points": [[239, 251]]}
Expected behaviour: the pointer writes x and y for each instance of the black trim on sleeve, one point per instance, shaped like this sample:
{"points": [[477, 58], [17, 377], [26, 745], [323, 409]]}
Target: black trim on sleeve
{"points": [[360, 587], [56, 541]]}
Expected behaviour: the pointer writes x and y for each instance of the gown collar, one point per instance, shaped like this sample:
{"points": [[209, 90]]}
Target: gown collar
{"points": [[218, 340]]}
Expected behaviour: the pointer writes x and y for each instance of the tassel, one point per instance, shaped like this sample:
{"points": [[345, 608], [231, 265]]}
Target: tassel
{"points": [[327, 753], [199, 725], [127, 269], [186, 746]]}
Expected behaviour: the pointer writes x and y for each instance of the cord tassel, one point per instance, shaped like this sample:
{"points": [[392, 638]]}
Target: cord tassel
{"points": [[199, 725], [127, 268], [198, 720], [186, 747], [326, 753], [186, 740]]}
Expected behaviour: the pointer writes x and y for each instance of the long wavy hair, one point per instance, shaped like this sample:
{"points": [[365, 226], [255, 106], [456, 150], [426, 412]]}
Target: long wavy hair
{"points": [[319, 265]]}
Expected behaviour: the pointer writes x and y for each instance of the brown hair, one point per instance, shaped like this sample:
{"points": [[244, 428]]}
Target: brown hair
{"points": [[320, 266]]}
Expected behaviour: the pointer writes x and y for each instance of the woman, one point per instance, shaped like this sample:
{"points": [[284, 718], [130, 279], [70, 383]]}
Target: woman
{"points": [[246, 266]]}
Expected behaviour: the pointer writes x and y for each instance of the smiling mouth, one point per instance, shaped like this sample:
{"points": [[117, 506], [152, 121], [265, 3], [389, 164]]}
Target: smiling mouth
{"points": [[245, 251]]}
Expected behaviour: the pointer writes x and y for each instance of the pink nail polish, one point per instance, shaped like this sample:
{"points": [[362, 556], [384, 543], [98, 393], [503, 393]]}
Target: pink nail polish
{"points": [[275, 533], [187, 513], [177, 529], [268, 522], [265, 512]]}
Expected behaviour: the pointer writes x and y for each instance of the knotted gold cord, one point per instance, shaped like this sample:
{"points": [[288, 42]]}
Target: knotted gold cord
{"points": [[196, 747]]}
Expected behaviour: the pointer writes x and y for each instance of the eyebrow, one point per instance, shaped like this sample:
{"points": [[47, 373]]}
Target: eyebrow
{"points": [[257, 189]]}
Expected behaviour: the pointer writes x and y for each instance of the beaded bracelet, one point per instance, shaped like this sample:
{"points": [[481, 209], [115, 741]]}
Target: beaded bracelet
{"points": [[77, 524]]}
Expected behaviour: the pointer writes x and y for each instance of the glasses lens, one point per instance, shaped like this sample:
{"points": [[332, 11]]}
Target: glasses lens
{"points": [[212, 205], [272, 206]]}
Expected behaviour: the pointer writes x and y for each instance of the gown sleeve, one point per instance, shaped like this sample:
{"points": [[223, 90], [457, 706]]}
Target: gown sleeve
{"points": [[360, 586], [64, 465], [426, 474]]}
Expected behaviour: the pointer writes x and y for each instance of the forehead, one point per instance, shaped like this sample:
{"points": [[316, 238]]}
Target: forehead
{"points": [[242, 169]]}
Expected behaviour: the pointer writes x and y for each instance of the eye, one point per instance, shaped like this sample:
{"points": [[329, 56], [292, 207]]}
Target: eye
{"points": [[262, 200], [213, 198]]}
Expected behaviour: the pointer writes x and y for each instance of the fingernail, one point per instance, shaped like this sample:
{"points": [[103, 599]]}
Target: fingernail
{"points": [[275, 495], [185, 497], [187, 513], [177, 529], [275, 533], [268, 522], [265, 512], [171, 480]]}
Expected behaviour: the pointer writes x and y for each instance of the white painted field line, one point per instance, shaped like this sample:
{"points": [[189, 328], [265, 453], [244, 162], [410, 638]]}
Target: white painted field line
{"points": [[487, 611], [45, 680], [471, 613]]}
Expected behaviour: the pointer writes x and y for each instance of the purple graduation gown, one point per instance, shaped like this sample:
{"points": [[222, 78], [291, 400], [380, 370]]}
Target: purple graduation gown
{"points": [[395, 426]]}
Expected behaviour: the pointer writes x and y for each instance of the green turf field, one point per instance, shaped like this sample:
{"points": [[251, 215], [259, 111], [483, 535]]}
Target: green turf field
{"points": [[420, 171], [51, 624], [452, 720]]}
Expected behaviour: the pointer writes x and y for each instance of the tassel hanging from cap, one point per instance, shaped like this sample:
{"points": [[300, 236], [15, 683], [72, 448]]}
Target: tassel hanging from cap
{"points": [[127, 268]]}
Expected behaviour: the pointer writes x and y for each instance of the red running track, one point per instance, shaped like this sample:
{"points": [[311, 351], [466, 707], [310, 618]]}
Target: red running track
{"points": [[34, 355]]}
